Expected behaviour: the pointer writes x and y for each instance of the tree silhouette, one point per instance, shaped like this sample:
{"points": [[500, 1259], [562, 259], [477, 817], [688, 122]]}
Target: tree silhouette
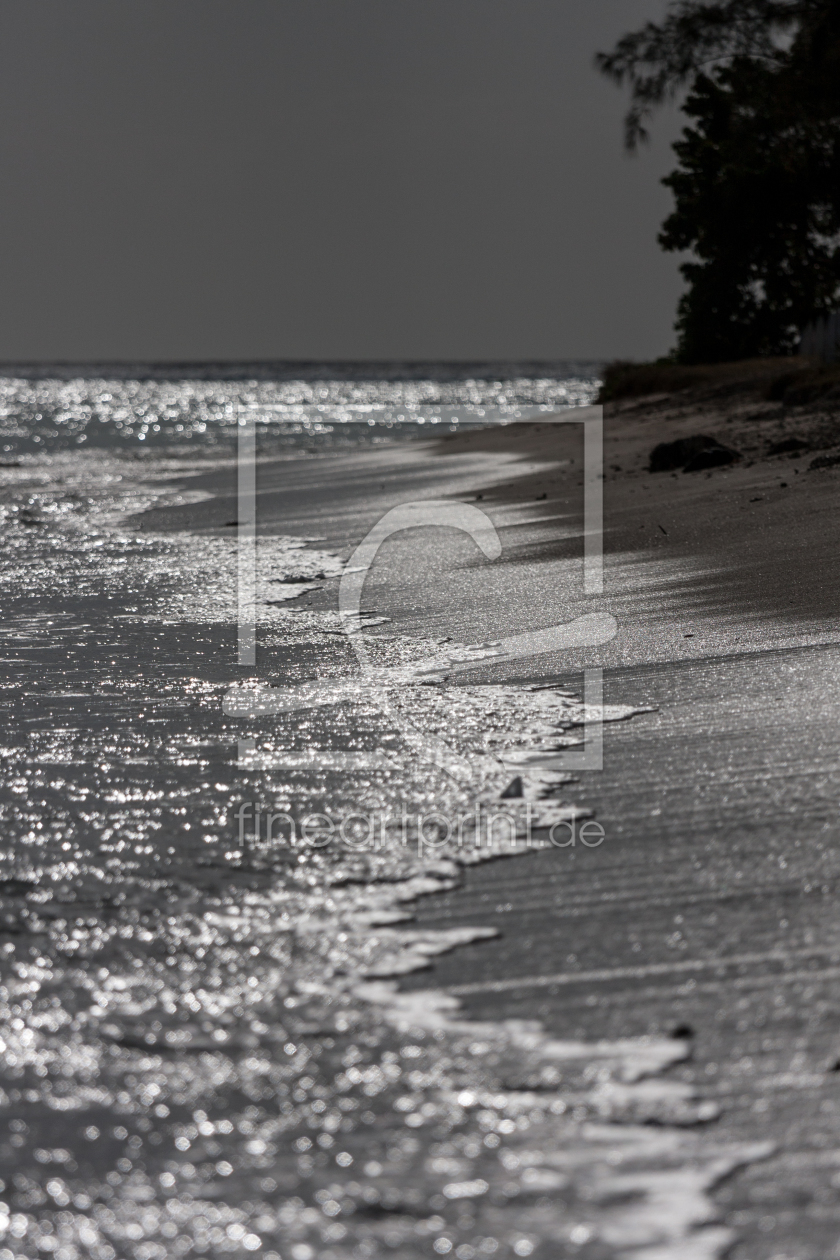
{"points": [[757, 186]]}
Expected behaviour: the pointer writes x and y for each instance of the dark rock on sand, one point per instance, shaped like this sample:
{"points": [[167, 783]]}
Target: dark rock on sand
{"points": [[788, 446], [825, 461], [692, 454], [714, 457]]}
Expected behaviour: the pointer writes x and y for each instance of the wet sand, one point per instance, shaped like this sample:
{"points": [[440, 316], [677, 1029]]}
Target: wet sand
{"points": [[218, 1047], [710, 911]]}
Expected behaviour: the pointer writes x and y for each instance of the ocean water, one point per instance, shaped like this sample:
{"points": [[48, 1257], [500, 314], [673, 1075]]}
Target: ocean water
{"points": [[206, 888], [199, 413]]}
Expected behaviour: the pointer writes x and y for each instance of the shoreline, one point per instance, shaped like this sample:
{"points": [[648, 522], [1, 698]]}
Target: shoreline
{"points": [[731, 621], [598, 986]]}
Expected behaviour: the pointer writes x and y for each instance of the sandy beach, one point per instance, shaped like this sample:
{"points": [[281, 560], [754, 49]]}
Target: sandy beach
{"points": [[709, 912], [420, 650], [229, 1043]]}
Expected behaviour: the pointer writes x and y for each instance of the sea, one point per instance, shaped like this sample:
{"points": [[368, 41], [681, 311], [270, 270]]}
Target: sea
{"points": [[205, 1047], [59, 408]]}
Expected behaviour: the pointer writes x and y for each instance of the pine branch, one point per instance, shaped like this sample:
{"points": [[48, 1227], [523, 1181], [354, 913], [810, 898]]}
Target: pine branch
{"points": [[658, 60]]}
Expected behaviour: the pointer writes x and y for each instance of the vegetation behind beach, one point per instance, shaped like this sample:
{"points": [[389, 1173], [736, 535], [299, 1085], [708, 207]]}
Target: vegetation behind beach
{"points": [[757, 183]]}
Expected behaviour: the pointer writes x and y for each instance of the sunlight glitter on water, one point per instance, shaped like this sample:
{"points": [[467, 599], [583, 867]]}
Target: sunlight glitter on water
{"points": [[204, 1049], [51, 415]]}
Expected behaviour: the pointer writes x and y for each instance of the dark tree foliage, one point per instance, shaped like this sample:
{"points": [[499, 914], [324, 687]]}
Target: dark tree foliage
{"points": [[757, 188]]}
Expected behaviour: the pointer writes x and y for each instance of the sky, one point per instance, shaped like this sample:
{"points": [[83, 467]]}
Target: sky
{"points": [[326, 179]]}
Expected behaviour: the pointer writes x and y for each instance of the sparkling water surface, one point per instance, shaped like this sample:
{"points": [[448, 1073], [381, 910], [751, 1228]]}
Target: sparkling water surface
{"points": [[201, 414], [204, 1048]]}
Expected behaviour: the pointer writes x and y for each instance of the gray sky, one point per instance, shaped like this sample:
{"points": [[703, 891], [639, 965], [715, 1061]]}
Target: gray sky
{"points": [[425, 179]]}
